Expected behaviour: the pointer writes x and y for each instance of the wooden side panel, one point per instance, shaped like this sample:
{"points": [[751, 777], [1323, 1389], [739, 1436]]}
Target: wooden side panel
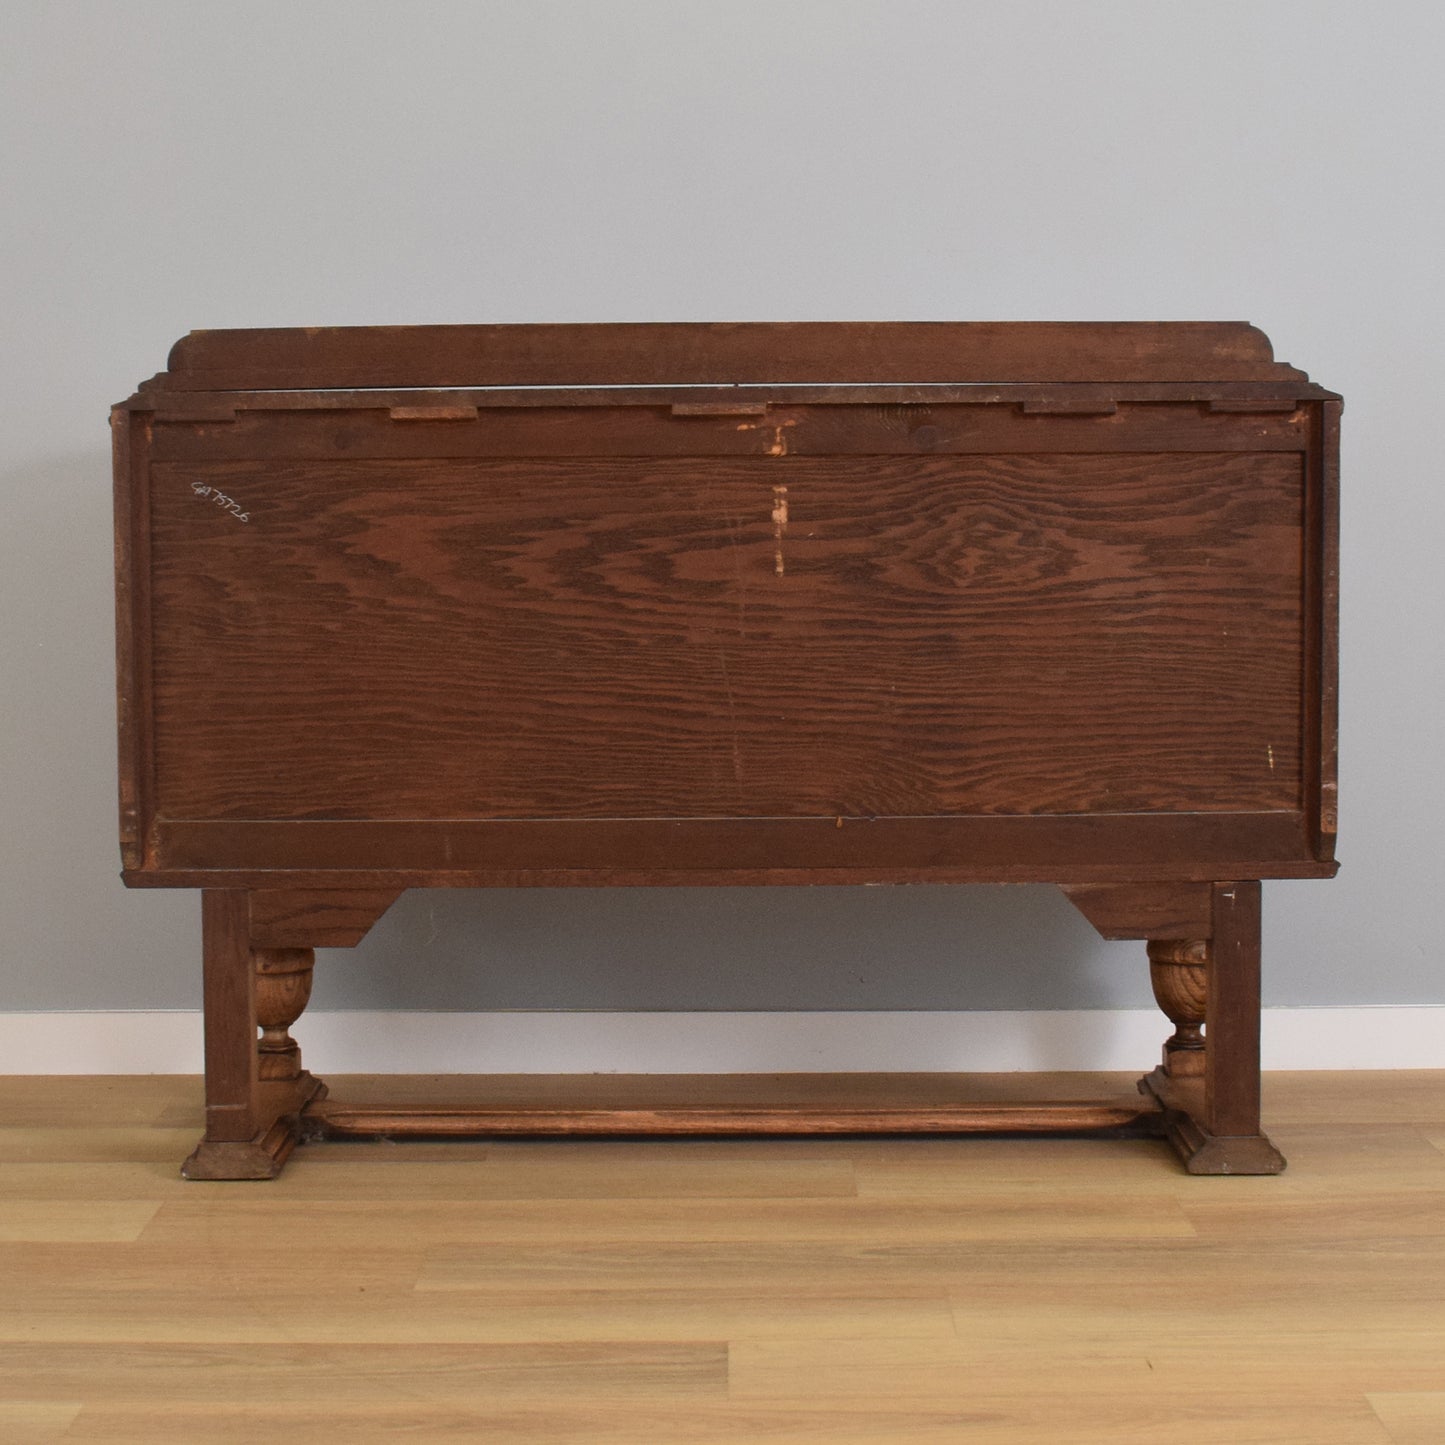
{"points": [[130, 446], [1329, 624], [775, 636]]}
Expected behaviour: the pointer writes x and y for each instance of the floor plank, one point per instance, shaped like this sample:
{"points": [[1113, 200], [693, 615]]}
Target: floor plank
{"points": [[988, 1420], [133, 1376], [53, 1219], [1416, 1418], [834, 1290], [31, 1422]]}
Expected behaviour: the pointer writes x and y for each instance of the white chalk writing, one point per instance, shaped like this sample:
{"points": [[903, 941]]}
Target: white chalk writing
{"points": [[227, 504]]}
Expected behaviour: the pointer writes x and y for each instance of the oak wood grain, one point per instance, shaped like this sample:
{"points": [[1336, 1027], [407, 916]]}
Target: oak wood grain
{"points": [[321, 918], [339, 1120], [1145, 910], [1000, 635]]}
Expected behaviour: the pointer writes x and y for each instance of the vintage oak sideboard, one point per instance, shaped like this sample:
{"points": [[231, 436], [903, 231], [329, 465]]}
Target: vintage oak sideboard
{"points": [[460, 606]]}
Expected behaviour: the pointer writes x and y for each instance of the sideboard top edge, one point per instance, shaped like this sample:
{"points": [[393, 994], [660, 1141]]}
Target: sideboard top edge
{"points": [[281, 879], [859, 393], [721, 353]]}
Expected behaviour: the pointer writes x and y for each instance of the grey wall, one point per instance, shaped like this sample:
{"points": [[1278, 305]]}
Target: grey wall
{"points": [[173, 165]]}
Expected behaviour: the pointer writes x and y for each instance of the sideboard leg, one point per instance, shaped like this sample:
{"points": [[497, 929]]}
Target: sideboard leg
{"points": [[254, 1091], [1178, 972], [259, 955], [283, 989], [1211, 1095]]}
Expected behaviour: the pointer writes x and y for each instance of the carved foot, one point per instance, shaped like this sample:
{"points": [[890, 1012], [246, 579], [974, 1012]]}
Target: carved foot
{"points": [[285, 1103], [258, 951], [260, 1158], [1182, 1104], [1208, 1085]]}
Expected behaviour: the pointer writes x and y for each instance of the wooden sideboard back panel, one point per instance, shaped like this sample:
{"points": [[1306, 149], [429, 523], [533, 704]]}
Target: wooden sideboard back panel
{"points": [[694, 637], [973, 627]]}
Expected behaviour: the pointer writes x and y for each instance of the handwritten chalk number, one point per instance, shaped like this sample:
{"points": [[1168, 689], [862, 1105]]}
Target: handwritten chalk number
{"points": [[228, 504]]}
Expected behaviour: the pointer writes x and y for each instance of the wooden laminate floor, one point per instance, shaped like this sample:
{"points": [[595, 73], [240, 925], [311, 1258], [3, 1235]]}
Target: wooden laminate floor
{"points": [[785, 1290]]}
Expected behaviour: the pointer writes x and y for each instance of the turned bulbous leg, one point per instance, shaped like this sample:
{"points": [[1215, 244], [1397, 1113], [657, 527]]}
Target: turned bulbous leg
{"points": [[1179, 971], [283, 988]]}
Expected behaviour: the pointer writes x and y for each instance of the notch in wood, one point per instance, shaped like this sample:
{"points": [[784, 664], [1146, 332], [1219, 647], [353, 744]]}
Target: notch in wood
{"points": [[195, 409], [719, 408], [449, 412], [1254, 404], [1071, 402]]}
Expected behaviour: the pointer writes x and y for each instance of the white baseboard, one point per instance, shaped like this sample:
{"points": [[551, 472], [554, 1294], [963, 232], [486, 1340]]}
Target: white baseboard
{"points": [[718, 1043]]}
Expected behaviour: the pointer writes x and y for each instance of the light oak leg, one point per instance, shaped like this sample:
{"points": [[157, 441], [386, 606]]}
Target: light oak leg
{"points": [[1211, 1106]]}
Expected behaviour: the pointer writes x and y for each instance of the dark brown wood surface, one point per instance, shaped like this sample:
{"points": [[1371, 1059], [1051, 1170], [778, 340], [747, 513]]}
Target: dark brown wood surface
{"points": [[983, 602], [639, 354], [230, 1010], [361, 426], [324, 918], [1175, 909], [678, 639], [782, 602], [1078, 848], [1231, 1020]]}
